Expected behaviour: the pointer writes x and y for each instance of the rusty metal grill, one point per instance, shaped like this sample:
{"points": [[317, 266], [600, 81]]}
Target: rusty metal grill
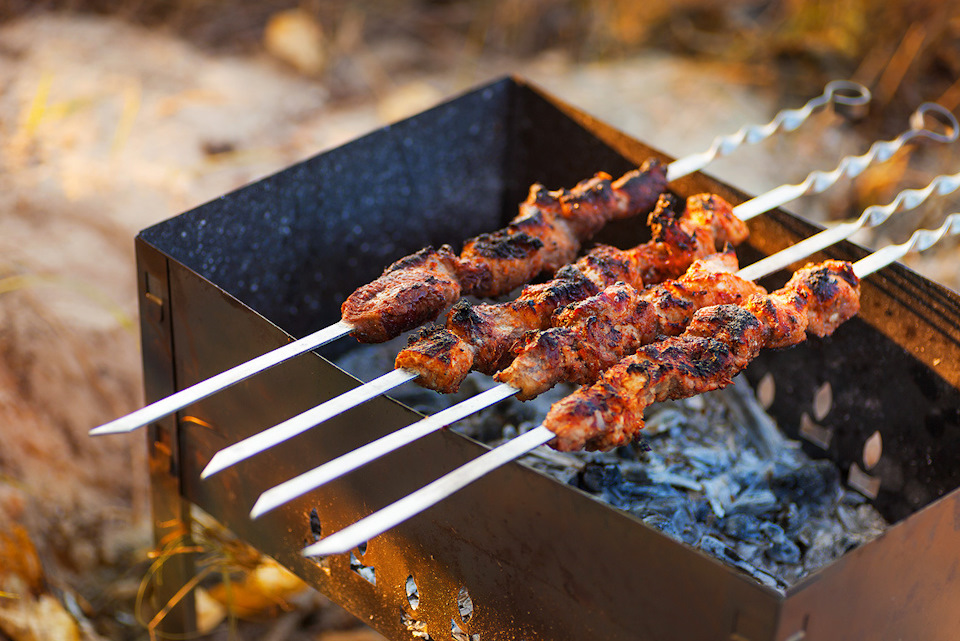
{"points": [[518, 555]]}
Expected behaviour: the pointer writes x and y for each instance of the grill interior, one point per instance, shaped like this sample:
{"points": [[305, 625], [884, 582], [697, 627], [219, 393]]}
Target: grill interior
{"points": [[518, 555]]}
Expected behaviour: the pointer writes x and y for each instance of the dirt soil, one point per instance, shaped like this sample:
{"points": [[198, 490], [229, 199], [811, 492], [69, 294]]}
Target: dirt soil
{"points": [[108, 127]]}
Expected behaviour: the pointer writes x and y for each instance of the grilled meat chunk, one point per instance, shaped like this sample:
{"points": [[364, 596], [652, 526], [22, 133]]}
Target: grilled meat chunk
{"points": [[411, 291], [546, 234], [719, 343], [438, 355]]}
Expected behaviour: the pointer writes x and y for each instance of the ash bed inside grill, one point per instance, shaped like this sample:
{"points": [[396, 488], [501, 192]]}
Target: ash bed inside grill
{"points": [[535, 558]]}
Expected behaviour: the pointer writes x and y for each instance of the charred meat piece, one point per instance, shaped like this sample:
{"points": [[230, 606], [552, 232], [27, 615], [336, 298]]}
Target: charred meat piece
{"points": [[438, 355], [718, 344], [545, 235], [411, 291], [593, 335]]}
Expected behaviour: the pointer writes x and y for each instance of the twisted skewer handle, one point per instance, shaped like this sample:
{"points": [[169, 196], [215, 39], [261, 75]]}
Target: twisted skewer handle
{"points": [[921, 240], [852, 166], [871, 217], [848, 98]]}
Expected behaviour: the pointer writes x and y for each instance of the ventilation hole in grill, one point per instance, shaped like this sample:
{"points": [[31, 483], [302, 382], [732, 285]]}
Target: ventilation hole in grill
{"points": [[815, 433], [316, 531], [416, 627], [822, 401], [464, 604], [459, 635], [872, 450], [413, 593], [862, 482], [766, 391], [368, 572], [314, 534]]}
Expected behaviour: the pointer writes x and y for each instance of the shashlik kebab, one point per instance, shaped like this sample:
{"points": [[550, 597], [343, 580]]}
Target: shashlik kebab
{"points": [[677, 245], [592, 335], [719, 342], [846, 97], [545, 236]]}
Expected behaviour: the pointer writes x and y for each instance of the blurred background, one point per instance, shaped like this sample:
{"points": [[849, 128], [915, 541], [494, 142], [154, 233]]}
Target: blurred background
{"points": [[116, 114]]}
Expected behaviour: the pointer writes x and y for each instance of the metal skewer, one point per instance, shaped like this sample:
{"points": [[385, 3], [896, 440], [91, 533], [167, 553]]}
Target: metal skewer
{"points": [[346, 463], [431, 494], [871, 217], [816, 182], [847, 97]]}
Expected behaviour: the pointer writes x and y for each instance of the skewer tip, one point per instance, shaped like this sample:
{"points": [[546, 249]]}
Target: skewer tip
{"points": [[260, 508], [326, 547], [113, 427], [218, 463], [273, 498]]}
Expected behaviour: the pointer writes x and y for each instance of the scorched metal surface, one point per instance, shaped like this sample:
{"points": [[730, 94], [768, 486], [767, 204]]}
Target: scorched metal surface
{"points": [[539, 560]]}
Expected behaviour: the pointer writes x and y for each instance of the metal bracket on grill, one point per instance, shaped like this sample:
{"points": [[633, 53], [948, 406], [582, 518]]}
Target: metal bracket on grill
{"points": [[171, 514]]}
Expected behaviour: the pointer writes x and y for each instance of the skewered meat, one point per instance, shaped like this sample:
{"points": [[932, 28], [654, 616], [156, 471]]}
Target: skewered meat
{"points": [[480, 337], [590, 336], [719, 343], [545, 235], [409, 293]]}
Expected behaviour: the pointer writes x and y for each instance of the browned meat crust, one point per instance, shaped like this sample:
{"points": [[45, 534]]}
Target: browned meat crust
{"points": [[546, 235], [411, 291], [719, 343], [593, 335], [490, 330], [438, 355]]}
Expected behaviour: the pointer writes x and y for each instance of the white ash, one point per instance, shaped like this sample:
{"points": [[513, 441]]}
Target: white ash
{"points": [[713, 472]]}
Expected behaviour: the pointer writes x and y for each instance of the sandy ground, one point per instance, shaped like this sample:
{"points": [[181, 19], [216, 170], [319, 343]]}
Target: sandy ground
{"points": [[99, 142]]}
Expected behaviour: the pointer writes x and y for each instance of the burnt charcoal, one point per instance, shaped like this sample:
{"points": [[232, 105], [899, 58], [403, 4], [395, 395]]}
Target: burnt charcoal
{"points": [[719, 492], [765, 578], [664, 524], [717, 548], [657, 499], [708, 459], [687, 524], [636, 475], [815, 481], [754, 503], [862, 523], [783, 551], [666, 420], [823, 546], [772, 531], [596, 477], [792, 518], [742, 528], [632, 451]]}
